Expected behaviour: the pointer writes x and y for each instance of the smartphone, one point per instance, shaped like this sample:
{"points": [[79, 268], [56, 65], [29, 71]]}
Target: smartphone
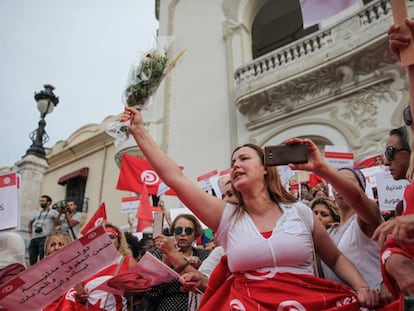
{"points": [[284, 154], [158, 224]]}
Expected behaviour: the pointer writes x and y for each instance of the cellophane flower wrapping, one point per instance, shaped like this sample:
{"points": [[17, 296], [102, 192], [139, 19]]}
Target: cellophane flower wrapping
{"points": [[145, 77]]}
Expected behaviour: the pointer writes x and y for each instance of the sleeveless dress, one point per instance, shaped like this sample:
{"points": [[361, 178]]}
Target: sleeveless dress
{"points": [[360, 249], [274, 273]]}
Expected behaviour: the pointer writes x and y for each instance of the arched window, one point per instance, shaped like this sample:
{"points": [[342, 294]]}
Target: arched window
{"points": [[278, 23]]}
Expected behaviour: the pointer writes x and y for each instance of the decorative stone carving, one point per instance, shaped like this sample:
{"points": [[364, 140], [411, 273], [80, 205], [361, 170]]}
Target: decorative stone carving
{"points": [[362, 107], [359, 79]]}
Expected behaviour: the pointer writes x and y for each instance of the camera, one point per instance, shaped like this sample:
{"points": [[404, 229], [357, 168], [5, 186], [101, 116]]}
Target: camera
{"points": [[38, 229], [62, 208]]}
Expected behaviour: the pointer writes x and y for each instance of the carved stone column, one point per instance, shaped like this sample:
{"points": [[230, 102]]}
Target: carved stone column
{"points": [[32, 170]]}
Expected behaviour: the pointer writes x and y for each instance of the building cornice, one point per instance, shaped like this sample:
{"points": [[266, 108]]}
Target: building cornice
{"points": [[73, 152]]}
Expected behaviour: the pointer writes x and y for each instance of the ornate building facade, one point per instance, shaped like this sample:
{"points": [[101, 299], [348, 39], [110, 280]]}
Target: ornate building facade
{"points": [[250, 74]]}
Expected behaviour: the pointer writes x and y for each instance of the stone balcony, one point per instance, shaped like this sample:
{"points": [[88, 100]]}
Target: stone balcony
{"points": [[332, 63]]}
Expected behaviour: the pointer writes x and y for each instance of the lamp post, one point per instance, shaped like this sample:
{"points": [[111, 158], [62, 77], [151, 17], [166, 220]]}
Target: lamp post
{"points": [[46, 101]]}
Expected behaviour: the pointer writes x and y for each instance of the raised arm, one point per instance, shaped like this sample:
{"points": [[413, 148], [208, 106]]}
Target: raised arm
{"points": [[205, 206], [397, 42], [365, 208]]}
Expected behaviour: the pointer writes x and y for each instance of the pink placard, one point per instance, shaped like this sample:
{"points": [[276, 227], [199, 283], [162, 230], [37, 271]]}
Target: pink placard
{"points": [[148, 272], [54, 275]]}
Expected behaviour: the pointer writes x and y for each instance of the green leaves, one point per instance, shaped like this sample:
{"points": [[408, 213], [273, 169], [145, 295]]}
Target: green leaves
{"points": [[148, 79]]}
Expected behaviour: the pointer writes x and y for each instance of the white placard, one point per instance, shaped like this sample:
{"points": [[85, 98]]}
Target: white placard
{"points": [[339, 159], [9, 201], [370, 178], [390, 191], [285, 174], [129, 205], [204, 181], [162, 189], [214, 181]]}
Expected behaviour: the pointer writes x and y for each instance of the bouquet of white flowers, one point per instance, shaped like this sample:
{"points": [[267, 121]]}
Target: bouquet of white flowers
{"points": [[144, 78]]}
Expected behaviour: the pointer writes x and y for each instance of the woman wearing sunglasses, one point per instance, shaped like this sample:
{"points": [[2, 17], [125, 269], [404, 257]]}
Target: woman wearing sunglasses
{"points": [[394, 238], [397, 153], [179, 253], [185, 229]]}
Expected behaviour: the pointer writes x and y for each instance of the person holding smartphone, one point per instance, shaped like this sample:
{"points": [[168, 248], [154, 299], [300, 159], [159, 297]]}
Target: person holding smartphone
{"points": [[268, 237], [359, 215], [397, 260]]}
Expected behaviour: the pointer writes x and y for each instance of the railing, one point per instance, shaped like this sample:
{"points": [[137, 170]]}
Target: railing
{"points": [[81, 202], [282, 56], [309, 45]]}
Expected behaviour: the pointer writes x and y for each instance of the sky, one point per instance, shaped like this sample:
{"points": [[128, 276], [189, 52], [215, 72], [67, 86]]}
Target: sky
{"points": [[84, 48]]}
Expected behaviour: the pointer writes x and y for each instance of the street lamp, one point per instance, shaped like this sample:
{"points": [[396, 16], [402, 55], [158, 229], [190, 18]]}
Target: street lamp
{"points": [[46, 101]]}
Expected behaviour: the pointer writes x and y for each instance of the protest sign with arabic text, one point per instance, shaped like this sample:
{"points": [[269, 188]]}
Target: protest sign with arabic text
{"points": [[54, 275]]}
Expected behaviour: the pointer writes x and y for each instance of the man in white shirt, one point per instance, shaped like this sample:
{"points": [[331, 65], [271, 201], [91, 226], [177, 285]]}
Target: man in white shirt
{"points": [[42, 223], [69, 219]]}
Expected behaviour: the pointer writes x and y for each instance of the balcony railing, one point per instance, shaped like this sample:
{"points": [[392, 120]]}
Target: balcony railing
{"points": [[256, 80], [283, 56], [311, 44]]}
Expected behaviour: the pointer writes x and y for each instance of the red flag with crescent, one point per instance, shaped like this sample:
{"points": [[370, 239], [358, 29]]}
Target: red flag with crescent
{"points": [[134, 171], [98, 219]]}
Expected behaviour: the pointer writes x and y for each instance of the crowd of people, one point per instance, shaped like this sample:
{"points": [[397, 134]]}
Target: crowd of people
{"points": [[271, 252]]}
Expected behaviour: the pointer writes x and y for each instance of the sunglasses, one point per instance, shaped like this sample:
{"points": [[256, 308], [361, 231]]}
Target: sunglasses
{"points": [[187, 230], [407, 116], [390, 151]]}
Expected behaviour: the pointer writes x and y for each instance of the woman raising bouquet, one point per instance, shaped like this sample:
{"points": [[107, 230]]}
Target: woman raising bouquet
{"points": [[269, 221]]}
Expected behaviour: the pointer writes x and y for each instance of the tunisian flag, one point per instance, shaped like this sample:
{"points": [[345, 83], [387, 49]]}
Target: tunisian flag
{"points": [[144, 212], [134, 172], [266, 291], [98, 219]]}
